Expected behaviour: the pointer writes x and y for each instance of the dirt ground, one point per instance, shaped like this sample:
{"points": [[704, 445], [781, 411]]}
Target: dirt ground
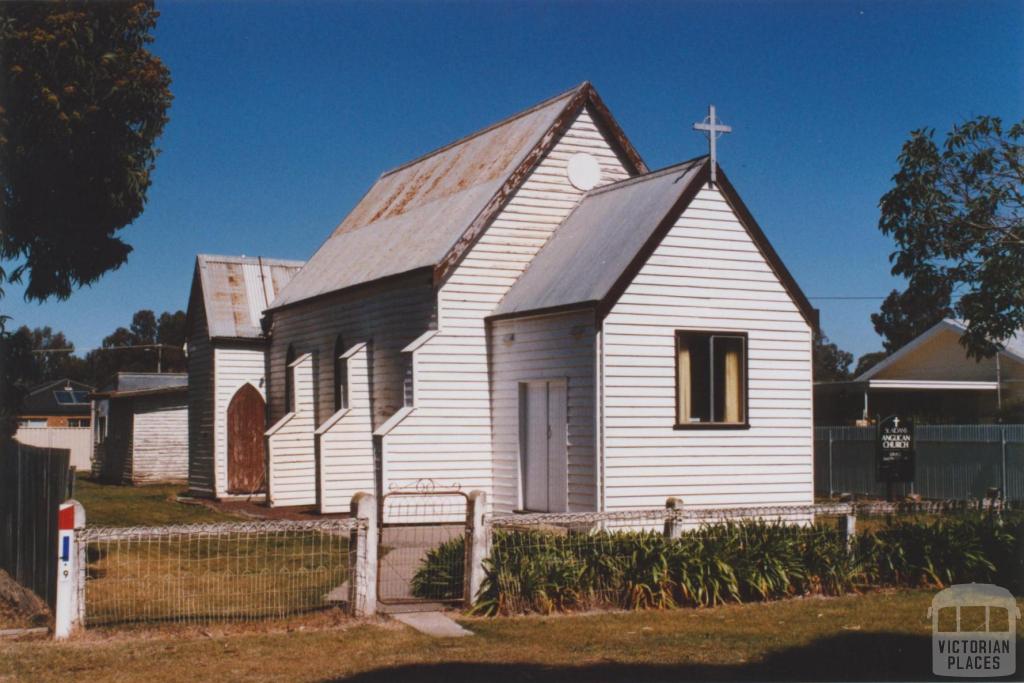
{"points": [[20, 607]]}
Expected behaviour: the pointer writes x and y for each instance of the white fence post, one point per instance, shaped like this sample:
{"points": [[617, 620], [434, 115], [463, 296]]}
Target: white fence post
{"points": [[70, 603], [848, 527], [673, 526], [478, 545], [363, 586]]}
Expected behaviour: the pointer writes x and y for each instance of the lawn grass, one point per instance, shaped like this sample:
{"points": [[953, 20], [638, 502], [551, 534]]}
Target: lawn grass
{"points": [[150, 505], [883, 635]]}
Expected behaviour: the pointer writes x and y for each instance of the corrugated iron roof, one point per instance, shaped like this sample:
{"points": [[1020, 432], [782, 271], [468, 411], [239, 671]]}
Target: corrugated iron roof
{"points": [[415, 215], [139, 381], [584, 259], [237, 289]]}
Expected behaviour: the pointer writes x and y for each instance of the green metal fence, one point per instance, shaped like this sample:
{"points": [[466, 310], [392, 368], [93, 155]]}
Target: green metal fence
{"points": [[953, 461]]}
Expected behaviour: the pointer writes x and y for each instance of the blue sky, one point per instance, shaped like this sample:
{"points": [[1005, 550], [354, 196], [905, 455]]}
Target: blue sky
{"points": [[286, 112]]}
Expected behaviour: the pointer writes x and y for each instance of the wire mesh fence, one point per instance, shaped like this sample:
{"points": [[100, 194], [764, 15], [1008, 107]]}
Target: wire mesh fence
{"points": [[209, 572], [689, 556], [422, 552]]}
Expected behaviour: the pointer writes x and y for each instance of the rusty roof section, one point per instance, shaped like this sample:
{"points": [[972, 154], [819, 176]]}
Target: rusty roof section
{"points": [[235, 290], [428, 212]]}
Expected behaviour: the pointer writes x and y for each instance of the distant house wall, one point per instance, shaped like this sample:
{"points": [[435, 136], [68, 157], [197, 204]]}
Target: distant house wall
{"points": [[160, 438], [77, 440]]}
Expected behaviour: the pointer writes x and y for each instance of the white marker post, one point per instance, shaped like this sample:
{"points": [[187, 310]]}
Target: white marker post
{"points": [[67, 614]]}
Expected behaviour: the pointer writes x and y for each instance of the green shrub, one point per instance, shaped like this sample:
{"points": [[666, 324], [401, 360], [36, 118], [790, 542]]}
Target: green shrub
{"points": [[546, 570]]}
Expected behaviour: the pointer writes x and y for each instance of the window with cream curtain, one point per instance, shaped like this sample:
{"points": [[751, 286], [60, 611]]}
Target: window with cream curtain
{"points": [[711, 378]]}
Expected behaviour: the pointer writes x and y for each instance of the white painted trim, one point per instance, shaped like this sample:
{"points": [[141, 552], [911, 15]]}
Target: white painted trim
{"points": [[352, 351], [285, 419], [394, 420], [300, 359], [932, 384], [331, 421], [419, 341]]}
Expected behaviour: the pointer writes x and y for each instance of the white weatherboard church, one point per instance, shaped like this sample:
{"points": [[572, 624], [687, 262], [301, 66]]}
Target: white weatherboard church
{"points": [[531, 312]]}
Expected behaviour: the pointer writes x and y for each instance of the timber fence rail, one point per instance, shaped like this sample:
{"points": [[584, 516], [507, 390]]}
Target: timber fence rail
{"points": [[207, 572], [33, 483]]}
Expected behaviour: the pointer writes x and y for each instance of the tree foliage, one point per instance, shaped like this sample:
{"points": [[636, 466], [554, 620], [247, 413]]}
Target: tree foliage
{"points": [[868, 361], [82, 102], [956, 213], [905, 315], [831, 363]]}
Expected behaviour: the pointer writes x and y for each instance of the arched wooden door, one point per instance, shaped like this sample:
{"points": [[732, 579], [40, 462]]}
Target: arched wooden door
{"points": [[246, 425]]}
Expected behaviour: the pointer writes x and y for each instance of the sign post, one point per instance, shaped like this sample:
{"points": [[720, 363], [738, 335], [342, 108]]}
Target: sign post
{"points": [[68, 608], [894, 452]]}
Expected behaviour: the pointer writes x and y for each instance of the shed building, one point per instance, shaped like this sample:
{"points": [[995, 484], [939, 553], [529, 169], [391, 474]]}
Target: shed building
{"points": [[140, 426], [531, 312], [226, 367]]}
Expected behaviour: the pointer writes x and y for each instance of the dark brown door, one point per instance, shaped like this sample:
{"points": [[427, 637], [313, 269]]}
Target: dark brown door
{"points": [[246, 424]]}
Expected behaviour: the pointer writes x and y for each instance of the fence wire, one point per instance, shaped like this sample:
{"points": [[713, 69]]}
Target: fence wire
{"points": [[208, 572], [422, 554], [691, 556]]}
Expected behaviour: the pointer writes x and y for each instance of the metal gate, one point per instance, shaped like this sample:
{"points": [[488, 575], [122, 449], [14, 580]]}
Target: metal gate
{"points": [[422, 549]]}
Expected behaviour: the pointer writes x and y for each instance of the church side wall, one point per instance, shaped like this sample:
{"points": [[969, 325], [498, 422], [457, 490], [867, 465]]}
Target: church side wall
{"points": [[707, 274], [345, 448], [235, 366], [387, 316], [200, 405], [291, 476], [544, 347], [447, 437]]}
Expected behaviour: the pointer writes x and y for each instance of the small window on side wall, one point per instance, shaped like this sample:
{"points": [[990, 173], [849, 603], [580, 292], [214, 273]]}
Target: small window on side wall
{"points": [[711, 379], [408, 397], [289, 380], [340, 375]]}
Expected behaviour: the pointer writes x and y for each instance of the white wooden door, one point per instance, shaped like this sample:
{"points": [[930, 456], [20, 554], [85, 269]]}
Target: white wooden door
{"points": [[542, 445]]}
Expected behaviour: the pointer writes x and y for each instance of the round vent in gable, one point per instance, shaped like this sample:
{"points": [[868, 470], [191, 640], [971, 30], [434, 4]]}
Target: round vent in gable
{"points": [[584, 171]]}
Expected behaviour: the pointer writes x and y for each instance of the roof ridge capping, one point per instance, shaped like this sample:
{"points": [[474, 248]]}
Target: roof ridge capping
{"points": [[682, 166], [228, 258], [497, 124]]}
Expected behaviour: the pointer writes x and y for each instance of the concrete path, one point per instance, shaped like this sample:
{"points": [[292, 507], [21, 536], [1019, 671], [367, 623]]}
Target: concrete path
{"points": [[436, 624]]}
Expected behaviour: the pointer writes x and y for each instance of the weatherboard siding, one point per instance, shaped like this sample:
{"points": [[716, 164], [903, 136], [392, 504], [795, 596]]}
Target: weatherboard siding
{"points": [[345, 446], [544, 347], [200, 401], [159, 438], [290, 445], [386, 315], [448, 435], [235, 366], [707, 274]]}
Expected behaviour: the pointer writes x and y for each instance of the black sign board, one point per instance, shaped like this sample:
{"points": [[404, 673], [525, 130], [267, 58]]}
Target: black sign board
{"points": [[895, 450]]}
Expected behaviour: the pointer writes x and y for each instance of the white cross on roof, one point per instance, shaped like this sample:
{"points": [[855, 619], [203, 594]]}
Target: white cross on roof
{"points": [[714, 129]]}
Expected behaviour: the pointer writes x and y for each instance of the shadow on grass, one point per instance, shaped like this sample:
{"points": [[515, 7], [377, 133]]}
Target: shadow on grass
{"points": [[845, 657]]}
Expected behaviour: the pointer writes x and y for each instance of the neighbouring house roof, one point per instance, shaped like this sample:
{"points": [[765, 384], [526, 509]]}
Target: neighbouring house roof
{"points": [[237, 289], [129, 384], [427, 213], [599, 248], [1013, 348], [58, 397]]}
